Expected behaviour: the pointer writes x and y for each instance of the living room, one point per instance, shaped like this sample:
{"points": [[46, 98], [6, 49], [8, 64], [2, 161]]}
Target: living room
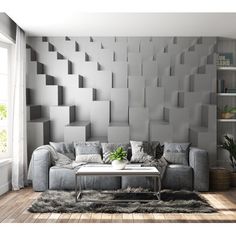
{"points": [[111, 115]]}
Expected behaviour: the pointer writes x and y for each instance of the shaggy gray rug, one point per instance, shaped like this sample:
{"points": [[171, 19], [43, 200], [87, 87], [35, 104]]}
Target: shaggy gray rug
{"points": [[171, 202]]}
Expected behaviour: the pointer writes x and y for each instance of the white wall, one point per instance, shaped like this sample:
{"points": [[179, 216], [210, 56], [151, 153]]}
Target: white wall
{"points": [[5, 176]]}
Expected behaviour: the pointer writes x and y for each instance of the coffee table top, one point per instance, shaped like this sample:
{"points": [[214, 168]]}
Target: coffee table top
{"points": [[109, 170]]}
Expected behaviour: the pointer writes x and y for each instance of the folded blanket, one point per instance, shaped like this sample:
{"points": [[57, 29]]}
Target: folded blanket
{"points": [[147, 160], [57, 159]]}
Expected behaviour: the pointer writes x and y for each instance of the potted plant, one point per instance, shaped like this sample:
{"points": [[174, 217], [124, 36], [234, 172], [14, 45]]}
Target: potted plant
{"points": [[118, 158], [230, 146], [228, 112]]}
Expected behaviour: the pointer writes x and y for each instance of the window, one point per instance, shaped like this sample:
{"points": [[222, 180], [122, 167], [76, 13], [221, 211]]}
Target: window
{"points": [[4, 114]]}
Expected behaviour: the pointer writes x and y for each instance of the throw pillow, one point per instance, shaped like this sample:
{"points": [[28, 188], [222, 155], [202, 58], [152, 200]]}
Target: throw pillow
{"points": [[64, 148], [176, 153], [89, 158], [88, 152], [108, 148], [144, 148], [62, 160]]}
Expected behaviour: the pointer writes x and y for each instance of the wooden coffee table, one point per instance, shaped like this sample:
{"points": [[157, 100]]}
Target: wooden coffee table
{"points": [[108, 170]]}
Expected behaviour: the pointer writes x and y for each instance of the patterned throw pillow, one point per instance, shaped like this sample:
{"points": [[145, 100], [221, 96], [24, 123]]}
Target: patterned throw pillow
{"points": [[88, 152], [144, 148], [108, 148], [89, 158], [64, 148], [176, 153]]}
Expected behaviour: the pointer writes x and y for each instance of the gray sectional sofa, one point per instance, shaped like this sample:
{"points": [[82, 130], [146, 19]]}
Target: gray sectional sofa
{"points": [[194, 176]]}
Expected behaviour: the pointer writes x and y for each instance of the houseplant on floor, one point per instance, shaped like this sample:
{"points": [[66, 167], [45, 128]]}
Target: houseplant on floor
{"points": [[230, 146], [118, 158]]}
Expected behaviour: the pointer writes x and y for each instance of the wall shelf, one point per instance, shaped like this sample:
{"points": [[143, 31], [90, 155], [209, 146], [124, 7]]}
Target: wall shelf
{"points": [[227, 68], [226, 94], [226, 120]]}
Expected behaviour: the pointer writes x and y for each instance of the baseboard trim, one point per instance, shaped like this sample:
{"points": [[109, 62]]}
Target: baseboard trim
{"points": [[5, 188]]}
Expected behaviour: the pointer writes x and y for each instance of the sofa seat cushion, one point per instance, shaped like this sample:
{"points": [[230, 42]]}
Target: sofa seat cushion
{"points": [[64, 178], [178, 177]]}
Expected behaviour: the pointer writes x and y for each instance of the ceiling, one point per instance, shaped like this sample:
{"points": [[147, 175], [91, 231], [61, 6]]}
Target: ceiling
{"points": [[127, 24], [118, 18]]}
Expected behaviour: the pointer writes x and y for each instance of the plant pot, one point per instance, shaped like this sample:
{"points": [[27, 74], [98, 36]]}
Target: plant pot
{"points": [[233, 179], [119, 165], [227, 115]]}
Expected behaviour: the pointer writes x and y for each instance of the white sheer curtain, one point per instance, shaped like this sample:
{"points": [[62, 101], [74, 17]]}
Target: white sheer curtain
{"points": [[18, 112]]}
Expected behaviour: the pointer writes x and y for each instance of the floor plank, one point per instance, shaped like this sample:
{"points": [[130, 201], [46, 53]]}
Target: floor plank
{"points": [[14, 205], [85, 218], [127, 218], [53, 218], [117, 218], [96, 217], [74, 218], [106, 218], [64, 218]]}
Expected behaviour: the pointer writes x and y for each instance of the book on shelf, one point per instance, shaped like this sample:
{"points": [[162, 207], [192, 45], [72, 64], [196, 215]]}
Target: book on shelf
{"points": [[221, 86], [230, 90], [225, 59]]}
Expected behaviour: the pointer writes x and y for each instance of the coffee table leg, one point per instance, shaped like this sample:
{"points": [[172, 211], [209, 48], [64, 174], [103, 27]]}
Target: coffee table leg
{"points": [[159, 187], [76, 192]]}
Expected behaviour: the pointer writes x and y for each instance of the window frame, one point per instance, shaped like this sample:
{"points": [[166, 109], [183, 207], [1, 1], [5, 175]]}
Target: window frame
{"points": [[9, 149]]}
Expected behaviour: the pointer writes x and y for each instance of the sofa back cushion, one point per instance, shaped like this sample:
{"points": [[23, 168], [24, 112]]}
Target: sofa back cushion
{"points": [[141, 148], [108, 148], [176, 153], [88, 152], [66, 149]]}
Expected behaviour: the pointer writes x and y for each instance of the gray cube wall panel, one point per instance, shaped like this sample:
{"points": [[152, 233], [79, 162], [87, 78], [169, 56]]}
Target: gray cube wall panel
{"points": [[139, 123], [136, 86], [119, 132], [77, 131], [154, 100], [119, 105], [149, 88], [37, 134], [100, 118], [60, 116]]}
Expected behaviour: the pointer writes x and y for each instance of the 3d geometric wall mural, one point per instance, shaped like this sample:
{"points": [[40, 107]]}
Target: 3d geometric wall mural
{"points": [[118, 89]]}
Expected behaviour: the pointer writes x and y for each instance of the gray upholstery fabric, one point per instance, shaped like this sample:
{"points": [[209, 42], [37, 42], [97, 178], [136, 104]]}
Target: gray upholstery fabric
{"points": [[176, 153], [64, 178], [178, 177], [87, 149], [64, 148], [89, 158], [41, 165], [198, 160], [143, 148], [195, 176]]}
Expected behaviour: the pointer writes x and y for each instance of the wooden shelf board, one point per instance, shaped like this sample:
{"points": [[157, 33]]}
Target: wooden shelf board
{"points": [[226, 94], [229, 68], [226, 120]]}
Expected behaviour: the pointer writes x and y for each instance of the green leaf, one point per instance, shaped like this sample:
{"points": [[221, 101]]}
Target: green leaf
{"points": [[230, 146], [118, 154]]}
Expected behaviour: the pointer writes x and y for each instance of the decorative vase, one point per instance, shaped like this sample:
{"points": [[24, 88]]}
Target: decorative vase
{"points": [[119, 165], [227, 115]]}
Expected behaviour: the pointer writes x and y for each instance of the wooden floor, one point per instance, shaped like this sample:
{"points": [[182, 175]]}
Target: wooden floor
{"points": [[13, 208]]}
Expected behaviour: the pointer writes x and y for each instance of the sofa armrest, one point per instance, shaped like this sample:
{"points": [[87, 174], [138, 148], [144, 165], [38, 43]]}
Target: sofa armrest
{"points": [[41, 166], [198, 160]]}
